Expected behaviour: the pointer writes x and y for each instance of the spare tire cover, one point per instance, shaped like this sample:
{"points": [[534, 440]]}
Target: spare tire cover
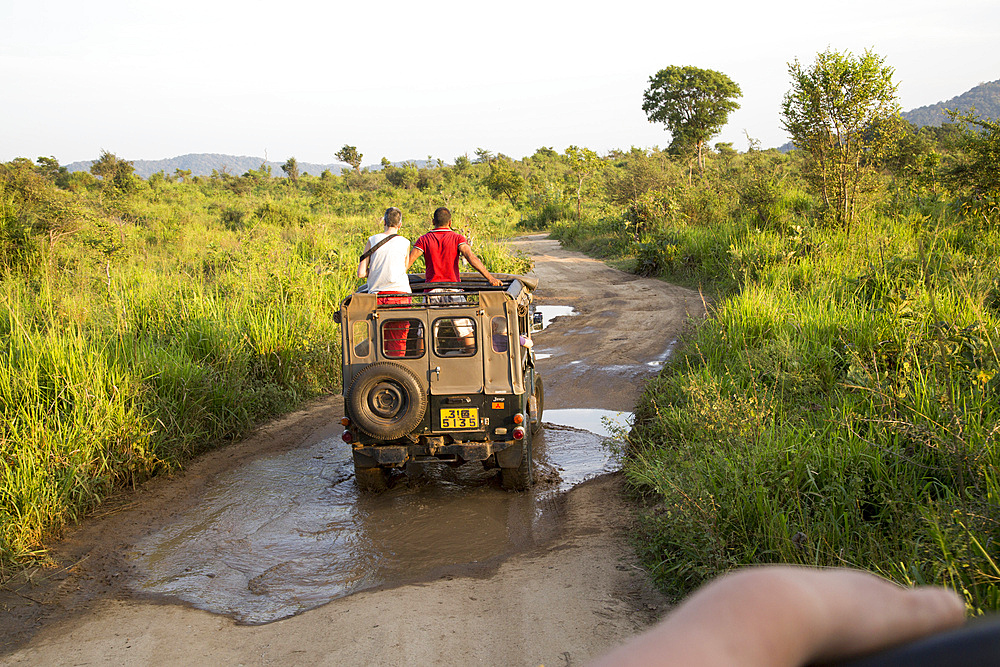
{"points": [[386, 400]]}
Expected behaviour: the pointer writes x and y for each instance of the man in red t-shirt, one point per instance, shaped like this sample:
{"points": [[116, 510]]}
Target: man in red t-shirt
{"points": [[441, 247]]}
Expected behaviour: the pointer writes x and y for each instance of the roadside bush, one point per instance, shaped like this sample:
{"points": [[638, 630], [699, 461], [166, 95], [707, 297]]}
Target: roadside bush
{"points": [[636, 173], [545, 203], [649, 212], [17, 247], [280, 215], [656, 255], [705, 203], [233, 218]]}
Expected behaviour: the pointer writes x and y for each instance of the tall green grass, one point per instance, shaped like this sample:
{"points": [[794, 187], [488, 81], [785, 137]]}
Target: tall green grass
{"points": [[171, 322], [841, 403], [840, 407]]}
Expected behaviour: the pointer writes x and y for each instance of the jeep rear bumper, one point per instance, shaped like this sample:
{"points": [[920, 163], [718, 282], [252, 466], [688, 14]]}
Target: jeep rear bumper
{"points": [[395, 455]]}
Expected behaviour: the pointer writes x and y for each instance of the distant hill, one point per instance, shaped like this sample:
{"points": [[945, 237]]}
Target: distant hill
{"points": [[202, 164], [985, 98]]}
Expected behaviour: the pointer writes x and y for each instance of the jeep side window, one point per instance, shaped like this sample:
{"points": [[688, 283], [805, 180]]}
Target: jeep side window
{"points": [[360, 336], [403, 339], [498, 327], [455, 337]]}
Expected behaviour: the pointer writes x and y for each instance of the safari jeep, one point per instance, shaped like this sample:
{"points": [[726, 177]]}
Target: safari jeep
{"points": [[444, 376]]}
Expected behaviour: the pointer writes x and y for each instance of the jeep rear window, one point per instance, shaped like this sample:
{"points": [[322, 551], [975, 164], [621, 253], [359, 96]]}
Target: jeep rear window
{"points": [[403, 339], [498, 326], [360, 337], [455, 337]]}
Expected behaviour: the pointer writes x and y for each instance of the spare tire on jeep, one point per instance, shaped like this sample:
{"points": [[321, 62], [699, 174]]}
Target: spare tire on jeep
{"points": [[386, 401]]}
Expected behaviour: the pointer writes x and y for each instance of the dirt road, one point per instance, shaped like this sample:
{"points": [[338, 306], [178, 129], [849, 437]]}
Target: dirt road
{"points": [[549, 578]]}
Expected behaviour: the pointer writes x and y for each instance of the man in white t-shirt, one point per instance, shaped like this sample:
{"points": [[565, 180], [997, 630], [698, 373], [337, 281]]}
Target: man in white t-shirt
{"points": [[385, 269]]}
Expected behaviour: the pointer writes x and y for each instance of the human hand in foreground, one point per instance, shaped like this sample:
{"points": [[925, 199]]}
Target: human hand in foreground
{"points": [[787, 616]]}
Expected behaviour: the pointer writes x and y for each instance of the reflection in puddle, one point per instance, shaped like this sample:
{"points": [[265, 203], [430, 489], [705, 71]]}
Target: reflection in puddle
{"points": [[581, 450], [545, 314], [600, 422], [288, 533]]}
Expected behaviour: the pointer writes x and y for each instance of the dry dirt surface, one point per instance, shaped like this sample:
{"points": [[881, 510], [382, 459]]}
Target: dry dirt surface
{"points": [[559, 602]]}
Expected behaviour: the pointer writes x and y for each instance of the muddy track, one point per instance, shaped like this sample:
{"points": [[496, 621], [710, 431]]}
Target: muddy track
{"points": [[559, 586]]}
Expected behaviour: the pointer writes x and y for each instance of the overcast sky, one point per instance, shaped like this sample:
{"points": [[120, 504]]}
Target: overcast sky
{"points": [[405, 80]]}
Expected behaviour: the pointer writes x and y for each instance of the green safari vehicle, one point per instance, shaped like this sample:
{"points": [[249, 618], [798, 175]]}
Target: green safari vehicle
{"points": [[442, 376]]}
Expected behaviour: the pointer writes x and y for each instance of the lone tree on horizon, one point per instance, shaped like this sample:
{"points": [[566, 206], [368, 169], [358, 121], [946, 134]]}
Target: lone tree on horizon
{"points": [[693, 103], [350, 155], [291, 169]]}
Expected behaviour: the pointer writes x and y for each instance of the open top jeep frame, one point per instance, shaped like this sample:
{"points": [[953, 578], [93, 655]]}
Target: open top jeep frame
{"points": [[445, 374]]}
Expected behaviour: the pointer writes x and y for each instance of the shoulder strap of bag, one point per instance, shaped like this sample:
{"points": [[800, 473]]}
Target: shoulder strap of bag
{"points": [[376, 247]]}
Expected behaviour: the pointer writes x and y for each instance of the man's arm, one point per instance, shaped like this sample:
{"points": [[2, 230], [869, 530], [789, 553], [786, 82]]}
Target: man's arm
{"points": [[415, 252], [787, 616], [470, 257], [363, 264]]}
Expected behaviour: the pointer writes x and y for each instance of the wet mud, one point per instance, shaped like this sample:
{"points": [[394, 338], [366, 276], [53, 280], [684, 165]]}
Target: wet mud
{"points": [[287, 533]]}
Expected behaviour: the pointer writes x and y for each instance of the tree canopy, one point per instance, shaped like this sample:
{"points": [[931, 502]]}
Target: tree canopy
{"points": [[842, 112], [114, 172], [503, 180], [291, 169], [694, 104], [350, 155], [980, 168], [582, 162]]}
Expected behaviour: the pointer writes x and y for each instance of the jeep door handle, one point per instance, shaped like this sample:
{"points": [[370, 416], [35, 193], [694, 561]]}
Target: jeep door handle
{"points": [[438, 371]]}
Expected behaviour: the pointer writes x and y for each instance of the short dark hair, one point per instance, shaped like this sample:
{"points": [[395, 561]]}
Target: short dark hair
{"points": [[442, 217], [393, 216]]}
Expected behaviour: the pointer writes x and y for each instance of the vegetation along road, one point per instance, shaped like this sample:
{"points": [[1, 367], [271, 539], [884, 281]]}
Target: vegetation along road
{"points": [[220, 564]]}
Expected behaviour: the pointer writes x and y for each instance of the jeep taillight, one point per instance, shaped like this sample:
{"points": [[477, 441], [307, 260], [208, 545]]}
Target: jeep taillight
{"points": [[519, 418], [518, 433], [345, 422], [347, 437]]}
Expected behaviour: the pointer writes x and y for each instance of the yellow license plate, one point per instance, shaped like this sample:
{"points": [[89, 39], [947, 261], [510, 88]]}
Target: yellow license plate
{"points": [[459, 417]]}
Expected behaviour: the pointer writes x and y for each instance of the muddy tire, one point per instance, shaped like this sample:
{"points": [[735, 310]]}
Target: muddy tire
{"points": [[519, 478], [386, 401], [372, 480], [535, 404]]}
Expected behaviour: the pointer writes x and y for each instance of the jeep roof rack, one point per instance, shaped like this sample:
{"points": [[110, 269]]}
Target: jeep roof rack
{"points": [[470, 282]]}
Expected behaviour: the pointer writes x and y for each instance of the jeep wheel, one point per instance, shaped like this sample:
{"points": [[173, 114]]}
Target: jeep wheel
{"points": [[386, 401], [535, 404], [519, 478], [371, 479]]}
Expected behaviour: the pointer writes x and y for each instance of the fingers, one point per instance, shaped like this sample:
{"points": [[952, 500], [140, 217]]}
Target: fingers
{"points": [[869, 613]]}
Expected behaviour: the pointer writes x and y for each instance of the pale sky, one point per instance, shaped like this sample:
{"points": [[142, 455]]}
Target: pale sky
{"points": [[405, 80]]}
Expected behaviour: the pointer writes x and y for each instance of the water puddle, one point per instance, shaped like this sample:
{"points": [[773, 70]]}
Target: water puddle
{"points": [[662, 359], [605, 423], [581, 458], [288, 533]]}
